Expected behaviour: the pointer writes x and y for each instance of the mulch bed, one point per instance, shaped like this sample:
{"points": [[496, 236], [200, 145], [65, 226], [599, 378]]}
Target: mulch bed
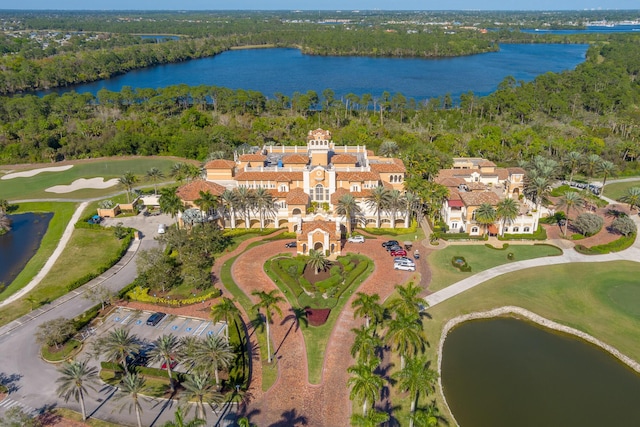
{"points": [[317, 316]]}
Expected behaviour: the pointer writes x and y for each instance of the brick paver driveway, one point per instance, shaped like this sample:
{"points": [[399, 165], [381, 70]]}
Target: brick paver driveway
{"points": [[292, 400]]}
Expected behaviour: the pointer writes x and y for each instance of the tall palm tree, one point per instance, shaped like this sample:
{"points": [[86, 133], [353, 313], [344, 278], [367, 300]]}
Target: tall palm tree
{"points": [[263, 203], [245, 203], [365, 383], [378, 201], [347, 206], [179, 171], [155, 175], [226, 309], [76, 377], [207, 202], [590, 165], [179, 421], [412, 207], [229, 202], [132, 386], [366, 344], [4, 206], [268, 301], [573, 161], [117, 345], [606, 168], [507, 211], [128, 180], [213, 353], [199, 388], [539, 188], [170, 203], [570, 200], [373, 418], [406, 336], [396, 203], [417, 378], [485, 215], [408, 301], [165, 350], [369, 307], [632, 197], [388, 149], [317, 261], [192, 172]]}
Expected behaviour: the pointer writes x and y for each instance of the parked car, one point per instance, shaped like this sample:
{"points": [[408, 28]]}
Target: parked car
{"points": [[416, 254], [404, 266], [155, 318], [162, 228], [290, 245], [356, 239], [174, 363], [390, 243], [394, 248], [96, 219], [400, 252], [404, 259]]}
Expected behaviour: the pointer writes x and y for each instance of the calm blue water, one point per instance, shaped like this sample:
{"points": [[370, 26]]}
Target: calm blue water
{"points": [[287, 71], [590, 29]]}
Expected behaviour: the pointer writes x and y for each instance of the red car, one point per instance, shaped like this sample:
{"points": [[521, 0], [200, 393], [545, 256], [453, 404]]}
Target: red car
{"points": [[174, 363], [399, 252]]}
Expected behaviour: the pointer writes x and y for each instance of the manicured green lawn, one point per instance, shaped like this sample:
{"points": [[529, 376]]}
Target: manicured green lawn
{"points": [[33, 187], [68, 350], [75, 416], [86, 251], [600, 299], [618, 189], [480, 258]]}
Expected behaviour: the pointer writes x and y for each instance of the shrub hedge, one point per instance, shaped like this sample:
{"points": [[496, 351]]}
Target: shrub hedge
{"points": [[618, 245], [461, 236], [141, 294], [393, 231]]}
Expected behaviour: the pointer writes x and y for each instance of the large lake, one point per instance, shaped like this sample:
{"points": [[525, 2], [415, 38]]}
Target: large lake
{"points": [[287, 71], [507, 372], [20, 244]]}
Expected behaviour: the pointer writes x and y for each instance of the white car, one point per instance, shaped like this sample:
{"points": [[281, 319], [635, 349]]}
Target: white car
{"points": [[404, 266], [356, 239], [162, 228]]}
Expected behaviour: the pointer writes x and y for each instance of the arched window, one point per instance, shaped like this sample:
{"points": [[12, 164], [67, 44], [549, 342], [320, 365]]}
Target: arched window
{"points": [[526, 229], [319, 193], [474, 229], [296, 211], [516, 229], [283, 188]]}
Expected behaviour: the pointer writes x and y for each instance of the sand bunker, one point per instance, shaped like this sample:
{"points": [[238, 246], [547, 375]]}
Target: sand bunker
{"points": [[82, 183], [27, 174]]}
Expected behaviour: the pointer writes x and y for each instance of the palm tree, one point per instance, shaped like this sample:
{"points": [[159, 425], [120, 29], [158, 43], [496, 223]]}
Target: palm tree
{"points": [[317, 261], [4, 206], [632, 197], [539, 187], [428, 416], [245, 203], [406, 335], [366, 344], [365, 383], [76, 377], [606, 168], [388, 149], [417, 378], [117, 345], [569, 200], [199, 388], [348, 207], [368, 306], [269, 302], [572, 161], [213, 353], [228, 199], [192, 172], [207, 202], [5, 222], [408, 303], [170, 203], [180, 422], [132, 386], [128, 180], [507, 210], [165, 350], [378, 201], [226, 309], [372, 419], [179, 171], [263, 202], [485, 215], [396, 203], [591, 165], [154, 175], [412, 207]]}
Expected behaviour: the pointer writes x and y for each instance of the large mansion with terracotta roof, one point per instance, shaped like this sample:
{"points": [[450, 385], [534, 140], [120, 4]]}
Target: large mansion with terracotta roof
{"points": [[305, 183], [474, 181]]}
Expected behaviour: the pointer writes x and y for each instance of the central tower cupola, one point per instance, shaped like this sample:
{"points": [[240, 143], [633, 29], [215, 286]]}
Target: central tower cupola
{"points": [[319, 144]]}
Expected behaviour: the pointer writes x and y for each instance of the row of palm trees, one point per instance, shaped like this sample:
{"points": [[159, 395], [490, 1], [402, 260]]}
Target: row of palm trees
{"points": [[179, 171], [398, 326], [506, 211]]}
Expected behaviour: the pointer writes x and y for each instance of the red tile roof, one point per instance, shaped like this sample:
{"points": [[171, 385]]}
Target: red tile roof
{"points": [[357, 176], [220, 164], [455, 203], [450, 181], [343, 159], [269, 176], [393, 165], [297, 196], [476, 198], [295, 159], [337, 194], [253, 158], [191, 191], [329, 227]]}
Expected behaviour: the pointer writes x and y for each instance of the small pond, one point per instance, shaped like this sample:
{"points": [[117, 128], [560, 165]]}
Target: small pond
{"points": [[20, 244], [505, 372]]}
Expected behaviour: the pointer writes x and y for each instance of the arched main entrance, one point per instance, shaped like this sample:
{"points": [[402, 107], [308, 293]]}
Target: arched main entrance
{"points": [[317, 246]]}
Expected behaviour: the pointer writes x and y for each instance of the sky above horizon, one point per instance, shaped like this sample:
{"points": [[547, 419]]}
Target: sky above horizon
{"points": [[326, 5]]}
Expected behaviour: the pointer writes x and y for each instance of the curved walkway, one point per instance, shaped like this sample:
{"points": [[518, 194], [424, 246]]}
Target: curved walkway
{"points": [[66, 236]]}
